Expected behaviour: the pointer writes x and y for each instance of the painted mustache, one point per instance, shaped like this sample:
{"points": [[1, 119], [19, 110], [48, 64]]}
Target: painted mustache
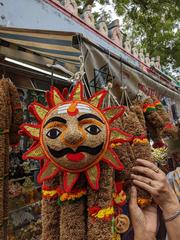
{"points": [[86, 149]]}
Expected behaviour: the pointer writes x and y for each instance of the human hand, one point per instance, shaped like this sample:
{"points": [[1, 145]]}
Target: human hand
{"points": [[153, 180], [144, 221]]}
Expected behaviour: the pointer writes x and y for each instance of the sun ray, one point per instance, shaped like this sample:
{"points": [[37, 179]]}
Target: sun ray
{"points": [[69, 180], [93, 175], [97, 99], [111, 158], [55, 96], [49, 170], [31, 130], [117, 135], [34, 152], [113, 113], [77, 92], [38, 110]]}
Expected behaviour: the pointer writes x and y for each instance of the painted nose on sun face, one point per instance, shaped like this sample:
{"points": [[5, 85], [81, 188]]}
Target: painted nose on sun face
{"points": [[73, 138]]}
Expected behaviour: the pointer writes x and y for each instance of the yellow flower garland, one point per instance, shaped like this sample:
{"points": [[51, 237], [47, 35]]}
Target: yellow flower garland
{"points": [[138, 140], [116, 237], [114, 145], [49, 193], [72, 196], [103, 213]]}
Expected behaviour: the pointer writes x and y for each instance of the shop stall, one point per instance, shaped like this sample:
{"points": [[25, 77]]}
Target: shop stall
{"points": [[126, 109]]}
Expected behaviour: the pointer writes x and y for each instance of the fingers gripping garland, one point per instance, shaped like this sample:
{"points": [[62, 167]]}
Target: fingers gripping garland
{"points": [[73, 136]]}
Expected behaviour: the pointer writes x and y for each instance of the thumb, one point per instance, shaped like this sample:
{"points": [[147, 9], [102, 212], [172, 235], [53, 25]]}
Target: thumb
{"points": [[133, 199]]}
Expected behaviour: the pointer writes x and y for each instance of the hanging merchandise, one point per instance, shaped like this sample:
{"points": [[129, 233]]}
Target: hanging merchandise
{"points": [[69, 125], [169, 129], [72, 137], [24, 193], [10, 119], [140, 148]]}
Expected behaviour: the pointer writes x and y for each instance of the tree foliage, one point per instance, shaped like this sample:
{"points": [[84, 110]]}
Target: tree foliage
{"points": [[152, 24]]}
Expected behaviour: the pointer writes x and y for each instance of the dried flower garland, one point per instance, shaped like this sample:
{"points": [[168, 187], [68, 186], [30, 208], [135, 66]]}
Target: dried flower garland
{"points": [[50, 212], [77, 124], [72, 196], [169, 129], [98, 229], [141, 149], [8, 98], [151, 115], [137, 109]]}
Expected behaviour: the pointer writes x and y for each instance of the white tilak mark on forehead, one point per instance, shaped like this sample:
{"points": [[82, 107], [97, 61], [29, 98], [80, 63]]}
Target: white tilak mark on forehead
{"points": [[81, 107], [63, 108]]}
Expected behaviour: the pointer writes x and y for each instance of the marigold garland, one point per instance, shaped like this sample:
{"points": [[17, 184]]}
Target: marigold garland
{"points": [[63, 195], [101, 213], [157, 103], [120, 198], [143, 202], [72, 196], [114, 145], [148, 107], [49, 193], [116, 236], [139, 140]]}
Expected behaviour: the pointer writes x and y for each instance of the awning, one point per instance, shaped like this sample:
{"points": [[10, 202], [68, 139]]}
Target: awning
{"points": [[52, 44]]}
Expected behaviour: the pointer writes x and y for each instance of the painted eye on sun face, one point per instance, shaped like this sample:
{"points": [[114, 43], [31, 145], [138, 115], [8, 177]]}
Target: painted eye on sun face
{"points": [[53, 133], [93, 129]]}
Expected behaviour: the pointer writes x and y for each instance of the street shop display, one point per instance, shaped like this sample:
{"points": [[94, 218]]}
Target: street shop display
{"points": [[87, 153], [72, 137], [10, 120], [86, 150]]}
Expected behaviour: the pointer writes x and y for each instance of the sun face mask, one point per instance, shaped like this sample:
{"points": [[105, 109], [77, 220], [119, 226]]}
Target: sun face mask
{"points": [[73, 136]]}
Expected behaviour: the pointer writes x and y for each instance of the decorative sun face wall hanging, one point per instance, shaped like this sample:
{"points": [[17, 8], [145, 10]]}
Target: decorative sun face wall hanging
{"points": [[73, 136]]}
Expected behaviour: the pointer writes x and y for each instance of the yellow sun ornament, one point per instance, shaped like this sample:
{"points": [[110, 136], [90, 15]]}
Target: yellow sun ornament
{"points": [[73, 136]]}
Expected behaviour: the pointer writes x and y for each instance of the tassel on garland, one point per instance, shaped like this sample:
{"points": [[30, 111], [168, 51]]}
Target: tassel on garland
{"points": [[100, 210], [169, 130], [72, 217]]}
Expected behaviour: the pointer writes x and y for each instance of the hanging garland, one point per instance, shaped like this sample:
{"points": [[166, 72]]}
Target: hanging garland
{"points": [[169, 129], [71, 130], [10, 119]]}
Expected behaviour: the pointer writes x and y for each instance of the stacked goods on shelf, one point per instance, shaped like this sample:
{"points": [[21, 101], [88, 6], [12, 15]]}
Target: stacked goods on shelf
{"points": [[24, 193], [10, 108]]}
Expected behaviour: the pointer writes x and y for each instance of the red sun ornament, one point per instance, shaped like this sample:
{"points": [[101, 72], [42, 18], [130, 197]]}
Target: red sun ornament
{"points": [[73, 135]]}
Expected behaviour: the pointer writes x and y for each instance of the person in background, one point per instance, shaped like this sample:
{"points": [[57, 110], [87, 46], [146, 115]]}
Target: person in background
{"points": [[150, 178]]}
